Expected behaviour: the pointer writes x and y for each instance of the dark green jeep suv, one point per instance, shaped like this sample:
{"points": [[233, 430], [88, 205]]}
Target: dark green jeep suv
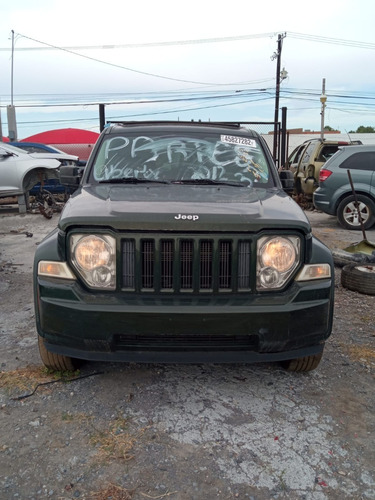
{"points": [[180, 245]]}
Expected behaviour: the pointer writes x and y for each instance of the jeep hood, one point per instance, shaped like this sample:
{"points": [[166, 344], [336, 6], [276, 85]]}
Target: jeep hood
{"points": [[182, 208]]}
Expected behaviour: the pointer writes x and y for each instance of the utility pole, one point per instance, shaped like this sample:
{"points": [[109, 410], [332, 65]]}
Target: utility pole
{"points": [[277, 55], [101, 117], [11, 110], [12, 70], [323, 99], [283, 148]]}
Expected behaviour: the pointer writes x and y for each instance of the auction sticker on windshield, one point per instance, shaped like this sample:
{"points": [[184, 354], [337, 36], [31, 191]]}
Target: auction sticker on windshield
{"points": [[243, 141]]}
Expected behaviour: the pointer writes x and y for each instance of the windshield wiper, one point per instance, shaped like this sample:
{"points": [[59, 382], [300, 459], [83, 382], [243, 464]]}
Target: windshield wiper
{"points": [[209, 182], [131, 180]]}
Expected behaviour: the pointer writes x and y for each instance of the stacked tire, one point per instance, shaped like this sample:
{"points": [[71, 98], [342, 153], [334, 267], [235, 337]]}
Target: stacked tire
{"points": [[359, 278]]}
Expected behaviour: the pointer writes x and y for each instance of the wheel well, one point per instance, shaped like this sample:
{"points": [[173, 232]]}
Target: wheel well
{"points": [[350, 193], [35, 176]]}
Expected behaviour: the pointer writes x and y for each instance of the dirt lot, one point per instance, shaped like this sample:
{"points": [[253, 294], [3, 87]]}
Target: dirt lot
{"points": [[127, 431]]}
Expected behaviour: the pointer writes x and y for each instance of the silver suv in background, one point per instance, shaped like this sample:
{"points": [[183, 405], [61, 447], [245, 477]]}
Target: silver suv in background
{"points": [[335, 196]]}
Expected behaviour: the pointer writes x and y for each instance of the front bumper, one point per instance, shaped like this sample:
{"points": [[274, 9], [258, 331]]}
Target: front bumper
{"points": [[183, 328]]}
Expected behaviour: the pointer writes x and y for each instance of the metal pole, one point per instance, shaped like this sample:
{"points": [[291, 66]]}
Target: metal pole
{"points": [[12, 68], [11, 110], [101, 117], [277, 95], [323, 99], [283, 155]]}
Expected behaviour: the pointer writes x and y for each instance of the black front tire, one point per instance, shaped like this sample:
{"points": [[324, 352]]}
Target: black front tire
{"points": [[56, 362], [347, 213], [305, 364]]}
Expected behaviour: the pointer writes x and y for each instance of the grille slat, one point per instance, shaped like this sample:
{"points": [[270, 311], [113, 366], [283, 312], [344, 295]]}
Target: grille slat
{"points": [[128, 256], [244, 265], [148, 259], [225, 265], [186, 265], [167, 258], [206, 248]]}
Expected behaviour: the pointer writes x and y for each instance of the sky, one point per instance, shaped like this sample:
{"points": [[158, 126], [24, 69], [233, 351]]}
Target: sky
{"points": [[201, 60]]}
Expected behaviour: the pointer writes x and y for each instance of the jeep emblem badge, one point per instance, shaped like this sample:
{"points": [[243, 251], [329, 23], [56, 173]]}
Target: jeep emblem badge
{"points": [[186, 217]]}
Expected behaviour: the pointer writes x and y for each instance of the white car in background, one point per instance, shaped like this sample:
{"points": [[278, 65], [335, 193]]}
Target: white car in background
{"points": [[21, 170]]}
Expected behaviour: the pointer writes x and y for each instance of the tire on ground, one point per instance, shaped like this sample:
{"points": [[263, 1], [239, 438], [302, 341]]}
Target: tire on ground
{"points": [[56, 362], [304, 364], [369, 210], [359, 278]]}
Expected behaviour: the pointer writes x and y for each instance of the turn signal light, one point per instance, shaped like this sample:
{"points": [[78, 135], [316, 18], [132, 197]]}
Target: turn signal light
{"points": [[314, 272], [55, 270]]}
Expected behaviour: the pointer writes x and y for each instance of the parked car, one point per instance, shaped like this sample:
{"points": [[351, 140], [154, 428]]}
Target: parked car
{"points": [[306, 161], [51, 185], [20, 171], [334, 195], [180, 245], [36, 147], [295, 156]]}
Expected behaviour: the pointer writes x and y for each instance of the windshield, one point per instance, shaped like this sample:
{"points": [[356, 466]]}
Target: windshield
{"points": [[12, 149], [182, 158]]}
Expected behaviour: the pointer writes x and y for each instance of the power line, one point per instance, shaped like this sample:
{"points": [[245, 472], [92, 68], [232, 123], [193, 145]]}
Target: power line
{"points": [[146, 73], [189, 97], [74, 100], [295, 94], [334, 41], [176, 110], [330, 95], [85, 100], [69, 50], [290, 34], [355, 94], [145, 45]]}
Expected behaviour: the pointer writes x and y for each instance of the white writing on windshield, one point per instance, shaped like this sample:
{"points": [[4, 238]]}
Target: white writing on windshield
{"points": [[180, 158]]}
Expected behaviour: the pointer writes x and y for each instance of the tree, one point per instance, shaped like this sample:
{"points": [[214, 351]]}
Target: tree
{"points": [[363, 130]]}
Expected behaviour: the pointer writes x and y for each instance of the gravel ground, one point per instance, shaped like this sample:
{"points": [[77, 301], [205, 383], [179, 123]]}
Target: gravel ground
{"points": [[128, 431]]}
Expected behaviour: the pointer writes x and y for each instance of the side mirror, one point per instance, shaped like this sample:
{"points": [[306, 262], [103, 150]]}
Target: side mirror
{"points": [[70, 176], [287, 180], [5, 154]]}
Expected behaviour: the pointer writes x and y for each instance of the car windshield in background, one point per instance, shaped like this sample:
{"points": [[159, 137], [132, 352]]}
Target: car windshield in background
{"points": [[13, 149], [231, 159]]}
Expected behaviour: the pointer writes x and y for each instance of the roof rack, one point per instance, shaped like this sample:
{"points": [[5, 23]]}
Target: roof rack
{"points": [[176, 122]]}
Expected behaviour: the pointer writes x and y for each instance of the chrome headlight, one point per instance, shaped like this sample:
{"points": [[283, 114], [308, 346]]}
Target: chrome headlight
{"points": [[94, 257], [277, 258]]}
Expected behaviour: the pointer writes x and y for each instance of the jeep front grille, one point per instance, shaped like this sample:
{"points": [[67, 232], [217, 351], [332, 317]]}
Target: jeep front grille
{"points": [[183, 264]]}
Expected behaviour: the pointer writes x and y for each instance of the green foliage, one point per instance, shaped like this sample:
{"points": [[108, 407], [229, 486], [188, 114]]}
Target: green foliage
{"points": [[363, 130], [366, 130], [65, 376]]}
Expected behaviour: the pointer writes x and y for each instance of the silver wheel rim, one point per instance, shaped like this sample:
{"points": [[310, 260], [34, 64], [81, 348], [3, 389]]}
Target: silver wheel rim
{"points": [[351, 214]]}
